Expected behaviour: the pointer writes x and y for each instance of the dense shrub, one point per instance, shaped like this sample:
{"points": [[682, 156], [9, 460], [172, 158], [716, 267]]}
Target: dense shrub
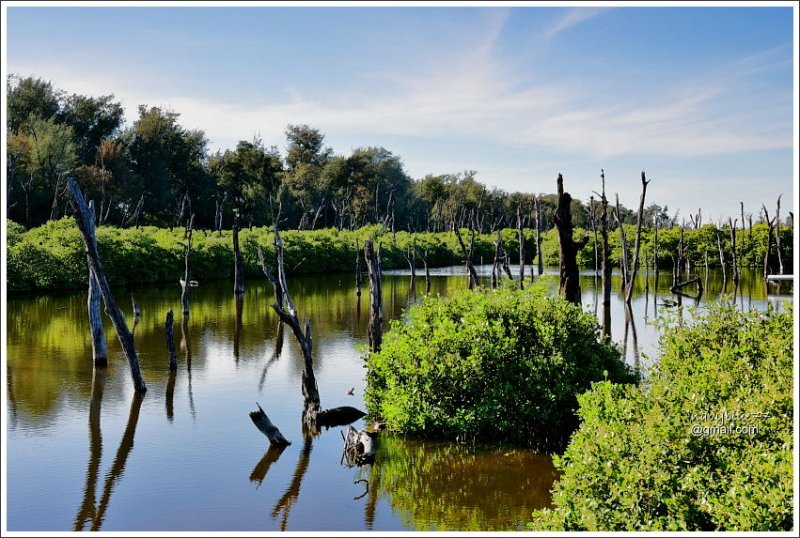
{"points": [[636, 464], [504, 364]]}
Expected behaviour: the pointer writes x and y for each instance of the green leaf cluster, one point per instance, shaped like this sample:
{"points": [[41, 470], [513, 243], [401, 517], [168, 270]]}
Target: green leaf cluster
{"points": [[635, 463], [490, 365]]}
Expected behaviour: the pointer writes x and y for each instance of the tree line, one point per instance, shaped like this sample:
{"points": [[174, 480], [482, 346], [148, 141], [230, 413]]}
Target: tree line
{"points": [[157, 172]]}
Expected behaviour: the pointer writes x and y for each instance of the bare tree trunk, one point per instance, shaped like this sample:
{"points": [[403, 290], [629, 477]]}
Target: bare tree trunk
{"points": [[358, 269], [778, 235], [540, 261], [592, 219], [472, 274], [173, 363], [85, 221], [605, 261], [521, 240], [624, 245], [570, 287], [238, 268], [427, 272], [99, 348], [770, 225], [721, 255], [374, 330], [265, 426], [629, 285], [187, 276], [734, 263]]}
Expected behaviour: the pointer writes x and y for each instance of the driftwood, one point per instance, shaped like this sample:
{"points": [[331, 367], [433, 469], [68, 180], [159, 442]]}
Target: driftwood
{"points": [[375, 327], [238, 267], [173, 363], [84, 219], [265, 426], [570, 287]]}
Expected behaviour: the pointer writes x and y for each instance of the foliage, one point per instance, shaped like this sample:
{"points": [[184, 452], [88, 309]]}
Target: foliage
{"points": [[504, 364], [636, 464]]}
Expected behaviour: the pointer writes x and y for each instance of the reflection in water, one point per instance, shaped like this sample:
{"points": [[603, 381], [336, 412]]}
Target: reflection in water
{"points": [[237, 324], [444, 486], [185, 345], [411, 485], [289, 497], [87, 508], [261, 468]]}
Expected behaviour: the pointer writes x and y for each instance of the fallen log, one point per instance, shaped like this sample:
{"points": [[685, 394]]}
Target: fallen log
{"points": [[265, 426]]}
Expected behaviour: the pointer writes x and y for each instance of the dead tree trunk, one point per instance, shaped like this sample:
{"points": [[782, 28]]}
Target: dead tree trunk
{"points": [[721, 255], [411, 258], [540, 261], [136, 214], [656, 224], [313, 417], [778, 235], [424, 256], [605, 261], [496, 261], [218, 213], [375, 326], [623, 239], [99, 348], [472, 274], [521, 240], [187, 276], [635, 261], [570, 286], [173, 363], [734, 261], [592, 219], [358, 270], [238, 267], [83, 218], [770, 225]]}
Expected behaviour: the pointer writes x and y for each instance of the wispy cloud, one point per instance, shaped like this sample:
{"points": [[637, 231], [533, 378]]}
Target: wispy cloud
{"points": [[473, 95], [572, 17]]}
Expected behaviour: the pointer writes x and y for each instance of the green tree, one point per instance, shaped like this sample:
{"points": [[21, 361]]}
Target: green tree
{"points": [[30, 96]]}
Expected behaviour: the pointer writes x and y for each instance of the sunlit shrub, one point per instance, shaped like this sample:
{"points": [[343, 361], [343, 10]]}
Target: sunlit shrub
{"points": [[490, 365], [642, 460]]}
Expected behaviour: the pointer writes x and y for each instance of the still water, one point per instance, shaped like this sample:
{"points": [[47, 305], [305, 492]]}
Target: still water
{"points": [[84, 452]]}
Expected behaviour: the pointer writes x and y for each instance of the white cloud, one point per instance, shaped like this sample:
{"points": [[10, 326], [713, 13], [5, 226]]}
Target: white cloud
{"points": [[572, 17]]}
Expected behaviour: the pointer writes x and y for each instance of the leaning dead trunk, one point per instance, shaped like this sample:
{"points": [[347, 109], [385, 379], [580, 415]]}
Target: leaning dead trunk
{"points": [[99, 349], [265, 426], [83, 218], [375, 327], [635, 261], [472, 275], [778, 236], [570, 286], [238, 268]]}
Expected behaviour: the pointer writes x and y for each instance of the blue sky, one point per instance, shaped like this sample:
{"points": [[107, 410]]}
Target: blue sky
{"points": [[701, 98]]}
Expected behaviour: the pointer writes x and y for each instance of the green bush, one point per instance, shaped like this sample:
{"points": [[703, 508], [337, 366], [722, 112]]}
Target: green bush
{"points": [[642, 460], [491, 365]]}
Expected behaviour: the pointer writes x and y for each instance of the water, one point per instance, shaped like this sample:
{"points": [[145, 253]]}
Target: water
{"points": [[84, 452]]}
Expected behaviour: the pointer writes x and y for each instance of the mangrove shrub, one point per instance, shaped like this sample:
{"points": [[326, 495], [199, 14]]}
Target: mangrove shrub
{"points": [[490, 365], [705, 444]]}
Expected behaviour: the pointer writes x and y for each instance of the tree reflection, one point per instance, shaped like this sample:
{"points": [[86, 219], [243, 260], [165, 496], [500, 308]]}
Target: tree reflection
{"points": [[88, 511], [289, 497]]}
